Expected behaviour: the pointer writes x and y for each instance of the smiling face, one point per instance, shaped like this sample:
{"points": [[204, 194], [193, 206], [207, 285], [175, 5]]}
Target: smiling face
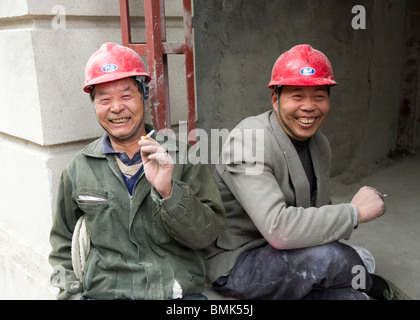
{"points": [[119, 108], [303, 109]]}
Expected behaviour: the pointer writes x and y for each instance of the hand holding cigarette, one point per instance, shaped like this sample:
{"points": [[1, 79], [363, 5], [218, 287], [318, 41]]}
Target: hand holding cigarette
{"points": [[369, 204]]}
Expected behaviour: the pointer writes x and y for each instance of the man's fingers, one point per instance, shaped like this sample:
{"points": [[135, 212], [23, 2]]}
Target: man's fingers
{"points": [[151, 149], [161, 157], [156, 152]]}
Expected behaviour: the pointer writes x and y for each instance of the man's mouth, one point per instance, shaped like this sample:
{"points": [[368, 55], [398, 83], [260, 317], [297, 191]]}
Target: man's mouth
{"points": [[306, 120], [120, 120]]}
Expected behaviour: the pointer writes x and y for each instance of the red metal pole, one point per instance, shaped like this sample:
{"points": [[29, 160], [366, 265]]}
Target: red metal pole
{"points": [[189, 66], [153, 24], [125, 22], [156, 49]]}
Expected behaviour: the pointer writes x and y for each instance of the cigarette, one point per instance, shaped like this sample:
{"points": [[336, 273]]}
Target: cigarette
{"points": [[148, 135], [384, 195]]}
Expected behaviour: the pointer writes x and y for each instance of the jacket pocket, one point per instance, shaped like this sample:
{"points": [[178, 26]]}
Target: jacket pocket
{"points": [[95, 206], [90, 196]]}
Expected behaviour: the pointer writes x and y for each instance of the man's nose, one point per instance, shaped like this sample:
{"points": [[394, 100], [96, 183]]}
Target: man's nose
{"points": [[308, 105], [117, 106]]}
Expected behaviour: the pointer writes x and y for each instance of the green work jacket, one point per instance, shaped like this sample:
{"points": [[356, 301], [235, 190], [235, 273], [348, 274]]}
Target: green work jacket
{"points": [[140, 244]]}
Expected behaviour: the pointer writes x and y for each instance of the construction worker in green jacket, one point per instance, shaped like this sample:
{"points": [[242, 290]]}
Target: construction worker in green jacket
{"points": [[146, 216]]}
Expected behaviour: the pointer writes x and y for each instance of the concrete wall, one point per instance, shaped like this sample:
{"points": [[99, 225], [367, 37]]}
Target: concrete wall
{"points": [[237, 43], [47, 118]]}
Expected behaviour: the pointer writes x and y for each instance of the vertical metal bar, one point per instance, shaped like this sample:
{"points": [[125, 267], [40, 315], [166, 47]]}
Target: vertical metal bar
{"points": [[155, 63], [125, 22], [165, 65], [157, 49], [189, 67], [162, 20]]}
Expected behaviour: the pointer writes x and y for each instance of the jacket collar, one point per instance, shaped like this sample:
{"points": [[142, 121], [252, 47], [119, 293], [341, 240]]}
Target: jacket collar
{"points": [[94, 149]]}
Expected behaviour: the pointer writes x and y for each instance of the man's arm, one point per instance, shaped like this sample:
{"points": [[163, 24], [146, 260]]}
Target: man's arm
{"points": [[263, 198], [188, 199], [283, 226]]}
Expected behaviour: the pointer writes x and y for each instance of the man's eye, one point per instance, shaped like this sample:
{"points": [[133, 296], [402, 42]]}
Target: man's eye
{"points": [[126, 97]]}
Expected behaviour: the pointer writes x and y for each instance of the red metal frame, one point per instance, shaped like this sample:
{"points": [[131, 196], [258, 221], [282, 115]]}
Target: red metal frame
{"points": [[156, 49]]}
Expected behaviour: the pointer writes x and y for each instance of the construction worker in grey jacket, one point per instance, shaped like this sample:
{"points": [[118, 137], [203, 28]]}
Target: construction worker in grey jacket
{"points": [[281, 238], [146, 214]]}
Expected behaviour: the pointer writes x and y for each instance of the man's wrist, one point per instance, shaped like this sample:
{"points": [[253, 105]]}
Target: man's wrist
{"points": [[355, 216]]}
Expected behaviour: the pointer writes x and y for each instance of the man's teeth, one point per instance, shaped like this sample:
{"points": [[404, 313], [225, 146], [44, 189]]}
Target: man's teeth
{"points": [[120, 120], [306, 121]]}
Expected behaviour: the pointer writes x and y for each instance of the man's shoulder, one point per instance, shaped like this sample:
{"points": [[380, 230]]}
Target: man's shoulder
{"points": [[92, 149], [258, 121]]}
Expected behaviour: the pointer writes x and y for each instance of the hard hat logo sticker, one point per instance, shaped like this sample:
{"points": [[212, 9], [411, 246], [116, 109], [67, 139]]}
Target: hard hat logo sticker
{"points": [[307, 71], [109, 67]]}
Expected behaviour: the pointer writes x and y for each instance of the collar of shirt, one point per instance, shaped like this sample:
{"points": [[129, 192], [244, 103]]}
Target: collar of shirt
{"points": [[300, 144], [108, 149]]}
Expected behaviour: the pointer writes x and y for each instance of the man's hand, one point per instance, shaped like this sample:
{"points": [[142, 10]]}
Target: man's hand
{"points": [[158, 166], [369, 204]]}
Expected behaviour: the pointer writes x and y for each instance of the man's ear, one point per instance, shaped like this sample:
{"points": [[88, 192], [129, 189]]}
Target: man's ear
{"points": [[274, 99]]}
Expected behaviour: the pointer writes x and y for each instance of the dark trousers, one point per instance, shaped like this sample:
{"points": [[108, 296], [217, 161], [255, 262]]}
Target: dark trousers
{"points": [[320, 272]]}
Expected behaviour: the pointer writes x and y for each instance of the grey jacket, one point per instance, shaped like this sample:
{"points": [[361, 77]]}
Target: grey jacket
{"points": [[273, 206], [139, 244]]}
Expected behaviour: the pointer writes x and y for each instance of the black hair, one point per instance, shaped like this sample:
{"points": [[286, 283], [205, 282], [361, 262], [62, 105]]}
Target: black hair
{"points": [[278, 90], [140, 83]]}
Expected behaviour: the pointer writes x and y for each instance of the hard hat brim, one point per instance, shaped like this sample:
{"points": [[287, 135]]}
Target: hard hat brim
{"points": [[113, 77], [301, 82]]}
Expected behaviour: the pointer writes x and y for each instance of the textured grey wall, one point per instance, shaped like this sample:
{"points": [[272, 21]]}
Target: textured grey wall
{"points": [[238, 41]]}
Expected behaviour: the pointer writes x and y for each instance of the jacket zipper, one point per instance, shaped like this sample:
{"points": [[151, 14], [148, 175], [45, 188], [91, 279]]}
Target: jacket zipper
{"points": [[130, 197], [130, 200]]}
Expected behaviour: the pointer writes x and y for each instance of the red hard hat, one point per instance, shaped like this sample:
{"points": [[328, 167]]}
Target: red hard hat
{"points": [[113, 62], [302, 66]]}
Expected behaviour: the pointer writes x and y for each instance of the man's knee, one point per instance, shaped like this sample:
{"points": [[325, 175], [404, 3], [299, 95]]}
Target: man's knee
{"points": [[334, 255]]}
